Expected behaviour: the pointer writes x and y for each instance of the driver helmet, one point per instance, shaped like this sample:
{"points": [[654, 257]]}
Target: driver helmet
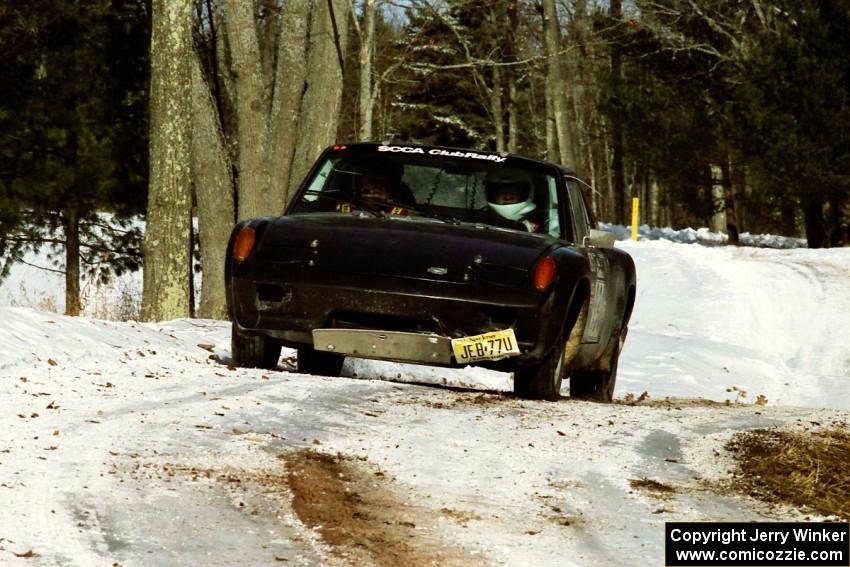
{"points": [[509, 195], [380, 180]]}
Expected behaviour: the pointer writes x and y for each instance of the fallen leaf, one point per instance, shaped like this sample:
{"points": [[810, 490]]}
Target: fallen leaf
{"points": [[26, 554], [52, 405], [207, 347], [561, 433], [52, 362]]}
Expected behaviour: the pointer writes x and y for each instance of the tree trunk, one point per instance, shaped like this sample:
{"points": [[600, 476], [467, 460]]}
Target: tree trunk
{"points": [[837, 228], [557, 89], [652, 203], [512, 114], [618, 142], [718, 210], [321, 103], [788, 215], [813, 214], [225, 91], [166, 281], [843, 207], [551, 133], [191, 265], [729, 202], [71, 224], [740, 190], [290, 75], [211, 172], [252, 110], [496, 109], [610, 178], [577, 80], [366, 51]]}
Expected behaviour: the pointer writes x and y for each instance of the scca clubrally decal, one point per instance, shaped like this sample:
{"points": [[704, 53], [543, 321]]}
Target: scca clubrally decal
{"points": [[439, 152]]}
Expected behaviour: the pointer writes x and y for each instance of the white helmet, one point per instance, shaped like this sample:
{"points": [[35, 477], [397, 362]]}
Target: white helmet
{"points": [[510, 196]]}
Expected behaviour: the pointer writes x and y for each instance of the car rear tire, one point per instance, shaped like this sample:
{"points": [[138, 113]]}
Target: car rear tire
{"points": [[253, 351], [597, 385], [543, 381], [311, 361]]}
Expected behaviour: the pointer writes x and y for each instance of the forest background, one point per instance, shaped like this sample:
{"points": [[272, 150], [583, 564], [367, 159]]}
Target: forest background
{"points": [[733, 114]]}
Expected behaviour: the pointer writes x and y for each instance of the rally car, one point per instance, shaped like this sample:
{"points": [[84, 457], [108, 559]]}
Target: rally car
{"points": [[435, 256]]}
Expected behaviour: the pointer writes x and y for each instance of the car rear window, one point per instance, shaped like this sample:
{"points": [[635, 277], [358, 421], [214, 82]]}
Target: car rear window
{"points": [[413, 181]]}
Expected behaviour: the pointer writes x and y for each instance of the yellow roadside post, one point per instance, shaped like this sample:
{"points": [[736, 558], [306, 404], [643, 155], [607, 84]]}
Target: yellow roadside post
{"points": [[635, 206]]}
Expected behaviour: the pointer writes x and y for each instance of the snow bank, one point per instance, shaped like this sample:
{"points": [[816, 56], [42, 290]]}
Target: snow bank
{"points": [[703, 236]]}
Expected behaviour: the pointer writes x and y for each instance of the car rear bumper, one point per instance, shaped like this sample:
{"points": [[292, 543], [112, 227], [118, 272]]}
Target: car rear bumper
{"points": [[423, 348], [291, 311]]}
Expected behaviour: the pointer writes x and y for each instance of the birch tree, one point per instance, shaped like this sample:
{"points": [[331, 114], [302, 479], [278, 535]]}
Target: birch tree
{"points": [[289, 80], [618, 140], [320, 106], [251, 109], [166, 249], [213, 183], [367, 48], [556, 87]]}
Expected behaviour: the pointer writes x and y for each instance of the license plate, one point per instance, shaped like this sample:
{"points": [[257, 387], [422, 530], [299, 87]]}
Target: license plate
{"points": [[489, 346]]}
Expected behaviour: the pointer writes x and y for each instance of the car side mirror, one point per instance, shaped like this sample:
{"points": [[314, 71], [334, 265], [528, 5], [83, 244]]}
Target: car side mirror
{"points": [[600, 239]]}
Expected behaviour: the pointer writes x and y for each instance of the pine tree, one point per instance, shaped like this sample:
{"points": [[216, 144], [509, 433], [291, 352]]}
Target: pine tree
{"points": [[61, 152]]}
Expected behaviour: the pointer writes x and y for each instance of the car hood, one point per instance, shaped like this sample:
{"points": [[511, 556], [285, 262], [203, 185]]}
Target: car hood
{"points": [[420, 248]]}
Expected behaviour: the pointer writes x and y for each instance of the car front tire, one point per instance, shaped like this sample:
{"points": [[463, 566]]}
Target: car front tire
{"points": [[253, 351]]}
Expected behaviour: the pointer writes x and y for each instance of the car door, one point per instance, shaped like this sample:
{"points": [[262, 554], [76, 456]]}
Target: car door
{"points": [[599, 313]]}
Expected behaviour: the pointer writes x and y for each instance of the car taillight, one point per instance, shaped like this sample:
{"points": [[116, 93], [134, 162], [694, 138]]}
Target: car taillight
{"points": [[544, 273], [244, 244]]}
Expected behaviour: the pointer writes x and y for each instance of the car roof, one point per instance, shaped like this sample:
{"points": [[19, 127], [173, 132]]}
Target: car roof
{"points": [[562, 168]]}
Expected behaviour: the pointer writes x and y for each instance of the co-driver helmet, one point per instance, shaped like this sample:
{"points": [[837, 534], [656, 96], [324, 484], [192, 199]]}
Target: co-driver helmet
{"points": [[509, 195]]}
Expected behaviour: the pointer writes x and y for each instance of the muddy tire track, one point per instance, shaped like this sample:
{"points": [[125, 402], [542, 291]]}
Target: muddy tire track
{"points": [[355, 510]]}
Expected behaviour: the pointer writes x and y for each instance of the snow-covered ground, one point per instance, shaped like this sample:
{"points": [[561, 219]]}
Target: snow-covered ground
{"points": [[130, 444]]}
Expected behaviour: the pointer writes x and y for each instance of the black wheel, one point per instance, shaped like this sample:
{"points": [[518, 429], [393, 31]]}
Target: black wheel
{"points": [[597, 385], [253, 351], [543, 381], [317, 362]]}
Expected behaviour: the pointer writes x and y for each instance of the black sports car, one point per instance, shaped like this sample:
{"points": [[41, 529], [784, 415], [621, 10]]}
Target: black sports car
{"points": [[435, 256]]}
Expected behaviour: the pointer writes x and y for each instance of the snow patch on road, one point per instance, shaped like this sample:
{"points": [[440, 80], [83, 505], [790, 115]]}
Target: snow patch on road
{"points": [[96, 416]]}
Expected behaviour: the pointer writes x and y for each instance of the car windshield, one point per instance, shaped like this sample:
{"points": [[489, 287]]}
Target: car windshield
{"points": [[456, 186]]}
